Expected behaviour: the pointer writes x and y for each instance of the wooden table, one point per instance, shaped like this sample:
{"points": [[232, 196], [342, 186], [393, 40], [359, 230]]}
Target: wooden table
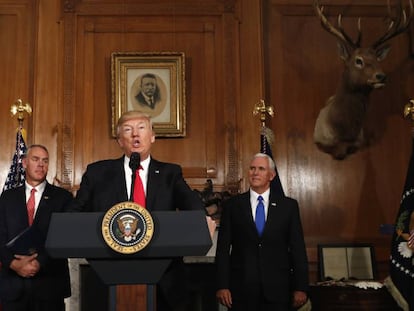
{"points": [[337, 298]]}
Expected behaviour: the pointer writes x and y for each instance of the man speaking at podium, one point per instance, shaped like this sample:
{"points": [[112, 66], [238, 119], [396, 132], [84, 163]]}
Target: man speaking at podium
{"points": [[108, 182]]}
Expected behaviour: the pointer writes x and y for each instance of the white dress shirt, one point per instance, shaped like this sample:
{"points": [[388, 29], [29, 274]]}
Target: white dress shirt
{"points": [[253, 201], [38, 194], [143, 173]]}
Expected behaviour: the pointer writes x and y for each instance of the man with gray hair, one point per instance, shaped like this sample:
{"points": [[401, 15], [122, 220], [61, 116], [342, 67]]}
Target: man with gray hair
{"points": [[261, 256], [30, 279]]}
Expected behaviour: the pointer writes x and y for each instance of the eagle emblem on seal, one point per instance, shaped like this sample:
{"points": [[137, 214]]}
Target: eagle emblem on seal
{"points": [[128, 227]]}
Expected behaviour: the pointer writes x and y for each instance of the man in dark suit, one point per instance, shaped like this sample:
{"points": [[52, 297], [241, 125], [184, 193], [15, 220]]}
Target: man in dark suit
{"points": [[35, 281], [265, 271], [108, 182]]}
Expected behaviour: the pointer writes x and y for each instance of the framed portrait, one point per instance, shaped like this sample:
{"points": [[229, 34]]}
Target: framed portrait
{"points": [[346, 262], [151, 82]]}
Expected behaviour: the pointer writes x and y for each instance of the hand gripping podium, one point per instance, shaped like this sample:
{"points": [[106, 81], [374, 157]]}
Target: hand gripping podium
{"points": [[176, 234]]}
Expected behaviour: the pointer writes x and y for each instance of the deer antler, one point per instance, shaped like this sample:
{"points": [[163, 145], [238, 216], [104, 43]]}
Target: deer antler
{"points": [[339, 31], [397, 25], [339, 128]]}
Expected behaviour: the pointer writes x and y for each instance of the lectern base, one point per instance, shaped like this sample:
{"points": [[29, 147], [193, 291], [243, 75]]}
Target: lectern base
{"points": [[132, 297], [95, 295]]}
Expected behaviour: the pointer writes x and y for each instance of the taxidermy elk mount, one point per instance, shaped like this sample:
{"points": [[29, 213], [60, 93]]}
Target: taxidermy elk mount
{"points": [[339, 126]]}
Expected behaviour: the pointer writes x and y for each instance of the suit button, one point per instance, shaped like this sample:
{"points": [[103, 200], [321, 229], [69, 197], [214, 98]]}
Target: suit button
{"points": [[260, 245]]}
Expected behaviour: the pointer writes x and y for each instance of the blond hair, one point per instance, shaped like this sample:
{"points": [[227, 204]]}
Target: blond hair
{"points": [[129, 115]]}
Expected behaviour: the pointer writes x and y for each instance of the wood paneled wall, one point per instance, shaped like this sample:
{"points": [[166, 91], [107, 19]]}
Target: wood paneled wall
{"points": [[17, 32], [56, 55], [206, 32], [341, 201]]}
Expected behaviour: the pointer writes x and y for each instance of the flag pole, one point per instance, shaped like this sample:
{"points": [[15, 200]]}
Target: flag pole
{"points": [[263, 111], [409, 113], [16, 175], [266, 141], [400, 282]]}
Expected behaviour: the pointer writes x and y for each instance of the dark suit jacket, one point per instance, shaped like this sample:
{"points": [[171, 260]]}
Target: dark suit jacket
{"points": [[103, 186], [52, 281], [143, 101], [277, 261]]}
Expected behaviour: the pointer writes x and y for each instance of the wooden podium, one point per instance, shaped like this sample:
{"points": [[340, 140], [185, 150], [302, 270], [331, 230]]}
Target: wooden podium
{"points": [[176, 234]]}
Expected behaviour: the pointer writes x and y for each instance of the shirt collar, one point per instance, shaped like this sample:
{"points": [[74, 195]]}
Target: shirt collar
{"points": [[144, 164], [147, 98], [265, 195], [39, 188]]}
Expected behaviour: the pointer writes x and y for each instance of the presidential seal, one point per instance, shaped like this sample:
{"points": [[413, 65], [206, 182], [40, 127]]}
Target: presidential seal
{"points": [[127, 227]]}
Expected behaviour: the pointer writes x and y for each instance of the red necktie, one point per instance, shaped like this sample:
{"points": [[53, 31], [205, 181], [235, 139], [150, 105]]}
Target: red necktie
{"points": [[139, 194], [31, 206]]}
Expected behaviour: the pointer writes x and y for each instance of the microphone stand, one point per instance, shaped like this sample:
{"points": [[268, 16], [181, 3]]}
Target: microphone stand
{"points": [[134, 165], [133, 177]]}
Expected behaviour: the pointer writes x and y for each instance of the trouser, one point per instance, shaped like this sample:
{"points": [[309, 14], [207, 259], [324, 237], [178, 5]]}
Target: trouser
{"points": [[27, 302]]}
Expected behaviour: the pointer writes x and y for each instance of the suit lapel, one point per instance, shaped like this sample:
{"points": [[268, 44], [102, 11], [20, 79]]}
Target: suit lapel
{"points": [[246, 211], [120, 190], [20, 202], [43, 203], [154, 170], [272, 204], [271, 211]]}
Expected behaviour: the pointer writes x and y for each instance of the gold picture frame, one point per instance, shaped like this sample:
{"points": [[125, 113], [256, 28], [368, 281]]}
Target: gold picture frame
{"points": [[161, 75]]}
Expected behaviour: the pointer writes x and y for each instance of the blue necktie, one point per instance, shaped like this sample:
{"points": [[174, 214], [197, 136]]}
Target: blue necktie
{"points": [[260, 215]]}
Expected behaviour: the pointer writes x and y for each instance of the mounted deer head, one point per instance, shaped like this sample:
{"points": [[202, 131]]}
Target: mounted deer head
{"points": [[339, 126]]}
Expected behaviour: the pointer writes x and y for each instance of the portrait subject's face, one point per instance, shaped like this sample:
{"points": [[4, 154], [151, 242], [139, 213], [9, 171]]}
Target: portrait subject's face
{"points": [[148, 86], [136, 135], [260, 174]]}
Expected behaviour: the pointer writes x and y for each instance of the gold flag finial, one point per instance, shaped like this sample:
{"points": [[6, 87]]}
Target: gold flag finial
{"points": [[409, 110], [262, 109], [409, 113], [20, 108]]}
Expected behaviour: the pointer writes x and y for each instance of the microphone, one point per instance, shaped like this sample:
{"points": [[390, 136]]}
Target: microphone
{"points": [[134, 161]]}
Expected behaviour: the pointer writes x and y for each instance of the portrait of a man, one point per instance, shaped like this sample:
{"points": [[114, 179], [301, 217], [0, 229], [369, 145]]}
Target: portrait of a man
{"points": [[149, 94], [153, 83]]}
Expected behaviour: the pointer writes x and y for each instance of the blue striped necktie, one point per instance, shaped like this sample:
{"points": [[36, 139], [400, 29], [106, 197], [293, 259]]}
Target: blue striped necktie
{"points": [[260, 215]]}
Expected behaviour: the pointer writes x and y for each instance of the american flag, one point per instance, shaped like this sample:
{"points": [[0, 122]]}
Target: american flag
{"points": [[16, 176], [266, 136], [400, 283]]}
